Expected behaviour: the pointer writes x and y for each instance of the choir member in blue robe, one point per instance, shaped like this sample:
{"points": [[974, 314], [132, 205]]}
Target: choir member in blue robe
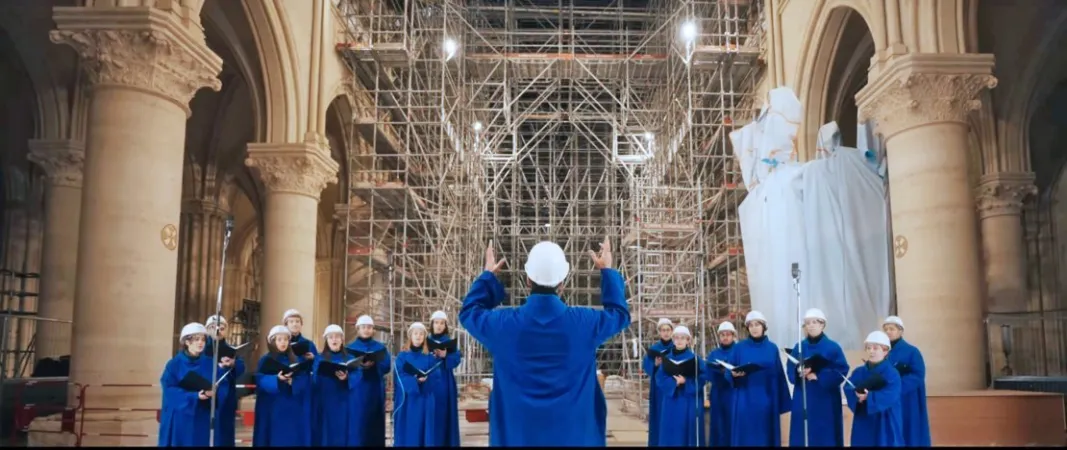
{"points": [[908, 361], [760, 396], [282, 415], [722, 390], [876, 419], [545, 390], [185, 419], [446, 393], [681, 397], [650, 364], [294, 322], [368, 420], [413, 416], [334, 396], [821, 387], [231, 369]]}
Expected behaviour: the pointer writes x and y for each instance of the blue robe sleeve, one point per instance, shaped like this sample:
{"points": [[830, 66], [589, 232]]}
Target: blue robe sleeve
{"points": [[884, 398], [224, 389], [301, 383], [181, 399], [833, 375], [406, 380], [453, 359], [476, 315], [917, 377], [648, 364], [850, 394], [785, 402], [267, 384], [385, 365], [615, 316], [791, 368], [665, 384]]}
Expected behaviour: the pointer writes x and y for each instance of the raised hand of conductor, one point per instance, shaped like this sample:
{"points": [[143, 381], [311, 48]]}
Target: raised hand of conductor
{"points": [[491, 264]]}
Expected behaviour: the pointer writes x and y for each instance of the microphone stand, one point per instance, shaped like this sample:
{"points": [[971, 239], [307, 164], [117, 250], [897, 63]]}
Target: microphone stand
{"points": [[800, 350], [215, 340]]}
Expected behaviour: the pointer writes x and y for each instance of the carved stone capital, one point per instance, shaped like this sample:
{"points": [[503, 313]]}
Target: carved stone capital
{"points": [[303, 169], [1003, 194], [917, 89], [62, 160], [138, 48]]}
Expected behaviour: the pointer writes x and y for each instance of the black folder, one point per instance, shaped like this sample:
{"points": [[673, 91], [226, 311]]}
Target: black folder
{"points": [[329, 369], [745, 368], [418, 373], [687, 368], [814, 362], [657, 353], [873, 382], [226, 351], [194, 382], [272, 367], [448, 346], [301, 347], [377, 356], [904, 369]]}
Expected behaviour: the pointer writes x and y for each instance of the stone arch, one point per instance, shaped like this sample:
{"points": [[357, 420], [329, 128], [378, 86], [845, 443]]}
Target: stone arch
{"points": [[1041, 78], [279, 61]]}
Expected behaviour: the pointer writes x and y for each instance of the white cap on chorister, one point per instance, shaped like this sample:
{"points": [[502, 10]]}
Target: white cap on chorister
{"points": [[815, 313], [333, 329], [895, 321], [291, 313], [878, 337], [215, 320], [416, 325], [755, 315], [278, 329], [683, 330], [364, 320], [664, 321], [192, 329], [438, 315], [727, 326], [546, 264]]}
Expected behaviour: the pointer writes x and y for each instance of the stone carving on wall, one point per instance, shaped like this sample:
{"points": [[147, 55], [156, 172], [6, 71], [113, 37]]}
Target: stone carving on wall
{"points": [[298, 169], [62, 160], [921, 98], [1004, 194]]}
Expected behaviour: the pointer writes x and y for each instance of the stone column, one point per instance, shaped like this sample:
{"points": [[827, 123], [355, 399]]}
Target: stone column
{"points": [[294, 176], [1000, 203], [921, 105], [143, 65], [62, 160], [323, 294], [201, 232]]}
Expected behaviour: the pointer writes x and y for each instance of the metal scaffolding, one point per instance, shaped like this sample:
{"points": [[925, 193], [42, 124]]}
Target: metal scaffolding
{"points": [[525, 120]]}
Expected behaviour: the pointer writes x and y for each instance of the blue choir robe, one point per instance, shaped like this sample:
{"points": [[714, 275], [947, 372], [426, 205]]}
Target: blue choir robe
{"points": [[413, 415], [649, 365], [368, 419], [545, 389], [681, 409], [333, 406], [877, 421], [282, 415], [760, 398], [226, 412], [722, 396], [826, 426], [912, 393], [311, 345], [184, 420], [446, 399]]}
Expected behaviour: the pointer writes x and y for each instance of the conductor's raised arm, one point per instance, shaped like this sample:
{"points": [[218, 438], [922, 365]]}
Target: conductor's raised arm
{"points": [[615, 316], [477, 315]]}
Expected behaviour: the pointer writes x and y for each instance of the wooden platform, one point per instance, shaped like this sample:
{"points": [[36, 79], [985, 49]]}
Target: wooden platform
{"points": [[997, 418]]}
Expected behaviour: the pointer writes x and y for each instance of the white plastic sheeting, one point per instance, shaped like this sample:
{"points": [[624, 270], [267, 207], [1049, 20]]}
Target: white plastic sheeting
{"points": [[827, 215]]}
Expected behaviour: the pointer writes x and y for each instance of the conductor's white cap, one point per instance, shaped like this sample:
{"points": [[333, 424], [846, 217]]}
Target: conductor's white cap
{"points": [[192, 329], [546, 264], [755, 315], [291, 313], [364, 320], [416, 326], [333, 329], [664, 321], [438, 315], [815, 313], [682, 329], [278, 329], [215, 320], [878, 337], [727, 326], [895, 321]]}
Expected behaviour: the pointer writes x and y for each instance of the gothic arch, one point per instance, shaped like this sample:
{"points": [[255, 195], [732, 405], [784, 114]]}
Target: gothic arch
{"points": [[1040, 79], [274, 39]]}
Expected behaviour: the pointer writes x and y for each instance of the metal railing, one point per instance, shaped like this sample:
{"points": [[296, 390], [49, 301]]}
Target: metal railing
{"points": [[1027, 344]]}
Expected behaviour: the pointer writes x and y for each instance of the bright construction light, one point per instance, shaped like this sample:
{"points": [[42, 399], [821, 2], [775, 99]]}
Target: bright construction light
{"points": [[689, 31], [649, 136], [477, 126], [450, 47]]}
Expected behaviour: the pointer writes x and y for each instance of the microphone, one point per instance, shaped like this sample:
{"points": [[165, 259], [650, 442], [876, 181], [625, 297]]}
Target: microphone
{"points": [[796, 271]]}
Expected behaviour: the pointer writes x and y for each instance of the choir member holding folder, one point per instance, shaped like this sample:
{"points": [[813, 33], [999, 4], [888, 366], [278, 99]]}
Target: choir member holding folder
{"points": [[231, 367], [823, 368], [761, 394], [679, 385], [908, 361], [334, 397], [722, 392], [873, 394], [368, 421], [185, 418], [446, 393], [651, 363], [416, 372], [283, 385]]}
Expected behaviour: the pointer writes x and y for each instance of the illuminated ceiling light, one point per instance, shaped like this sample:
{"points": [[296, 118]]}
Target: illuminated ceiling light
{"points": [[450, 46], [689, 31], [477, 126]]}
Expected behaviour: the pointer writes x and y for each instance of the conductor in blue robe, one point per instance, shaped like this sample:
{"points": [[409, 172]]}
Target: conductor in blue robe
{"points": [[722, 391], [334, 395], [231, 369], [908, 361], [446, 393], [876, 420], [413, 415], [282, 415], [762, 395], [650, 364], [368, 419], [545, 390], [185, 418], [681, 409], [821, 387]]}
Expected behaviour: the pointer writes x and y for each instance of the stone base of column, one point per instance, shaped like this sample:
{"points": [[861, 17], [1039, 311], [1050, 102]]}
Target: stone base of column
{"points": [[101, 429]]}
